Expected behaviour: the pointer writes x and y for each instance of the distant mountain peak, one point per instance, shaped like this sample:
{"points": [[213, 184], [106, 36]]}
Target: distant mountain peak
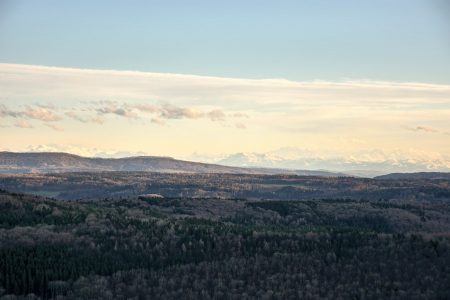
{"points": [[363, 163]]}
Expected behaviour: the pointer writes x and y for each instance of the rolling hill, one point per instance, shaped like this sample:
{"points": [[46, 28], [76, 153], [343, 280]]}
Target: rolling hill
{"points": [[52, 162]]}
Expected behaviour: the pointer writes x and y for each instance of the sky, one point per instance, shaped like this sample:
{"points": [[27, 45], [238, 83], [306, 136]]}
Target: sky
{"points": [[358, 81]]}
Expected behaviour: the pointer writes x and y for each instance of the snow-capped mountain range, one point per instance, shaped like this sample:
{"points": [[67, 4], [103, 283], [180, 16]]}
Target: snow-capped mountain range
{"points": [[364, 163]]}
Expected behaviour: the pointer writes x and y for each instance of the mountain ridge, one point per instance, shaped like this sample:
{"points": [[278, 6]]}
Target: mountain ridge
{"points": [[56, 162], [416, 175], [370, 164]]}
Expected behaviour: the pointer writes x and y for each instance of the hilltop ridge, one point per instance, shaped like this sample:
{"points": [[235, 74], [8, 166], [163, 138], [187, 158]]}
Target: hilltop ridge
{"points": [[56, 162]]}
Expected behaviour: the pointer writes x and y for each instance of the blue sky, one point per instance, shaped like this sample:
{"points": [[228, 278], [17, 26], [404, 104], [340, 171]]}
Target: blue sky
{"points": [[402, 40]]}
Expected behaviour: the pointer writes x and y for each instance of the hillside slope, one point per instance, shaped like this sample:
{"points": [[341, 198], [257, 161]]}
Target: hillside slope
{"points": [[50, 162]]}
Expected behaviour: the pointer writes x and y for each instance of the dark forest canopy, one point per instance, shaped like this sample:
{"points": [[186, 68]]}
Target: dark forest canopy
{"points": [[210, 248]]}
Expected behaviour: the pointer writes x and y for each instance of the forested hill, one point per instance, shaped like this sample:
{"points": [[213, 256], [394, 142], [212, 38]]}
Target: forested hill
{"points": [[139, 248], [11, 162], [51, 162]]}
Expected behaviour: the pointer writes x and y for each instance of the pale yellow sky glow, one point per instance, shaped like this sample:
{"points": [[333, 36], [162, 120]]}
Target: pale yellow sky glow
{"points": [[105, 111]]}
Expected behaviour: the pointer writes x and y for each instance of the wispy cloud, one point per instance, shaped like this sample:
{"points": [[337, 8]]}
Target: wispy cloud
{"points": [[115, 109], [85, 119], [157, 121], [147, 108], [168, 111], [40, 113], [165, 111], [240, 115], [426, 129], [422, 128], [96, 111], [98, 120], [23, 124], [216, 115], [54, 127], [52, 83], [36, 112], [75, 116], [6, 112]]}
